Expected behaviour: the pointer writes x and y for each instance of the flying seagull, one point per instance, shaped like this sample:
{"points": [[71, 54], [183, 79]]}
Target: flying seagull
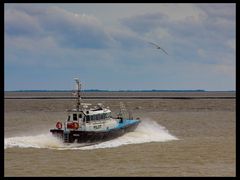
{"points": [[158, 47]]}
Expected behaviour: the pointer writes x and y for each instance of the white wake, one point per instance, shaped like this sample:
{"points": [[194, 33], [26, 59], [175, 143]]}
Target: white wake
{"points": [[147, 131]]}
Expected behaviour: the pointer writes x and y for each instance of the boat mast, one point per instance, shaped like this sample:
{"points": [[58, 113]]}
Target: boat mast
{"points": [[78, 93]]}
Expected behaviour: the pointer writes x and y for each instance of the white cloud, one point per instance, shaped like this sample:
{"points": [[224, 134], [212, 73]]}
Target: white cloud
{"points": [[201, 52], [182, 12], [227, 10], [113, 46], [65, 27], [231, 43], [20, 23], [225, 70]]}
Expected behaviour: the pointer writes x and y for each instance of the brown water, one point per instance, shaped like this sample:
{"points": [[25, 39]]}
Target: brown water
{"points": [[194, 137]]}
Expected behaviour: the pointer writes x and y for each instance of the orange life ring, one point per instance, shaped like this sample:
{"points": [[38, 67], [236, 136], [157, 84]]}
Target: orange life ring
{"points": [[59, 125]]}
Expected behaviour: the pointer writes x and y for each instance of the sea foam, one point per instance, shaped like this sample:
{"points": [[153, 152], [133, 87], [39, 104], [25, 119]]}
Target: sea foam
{"points": [[147, 131]]}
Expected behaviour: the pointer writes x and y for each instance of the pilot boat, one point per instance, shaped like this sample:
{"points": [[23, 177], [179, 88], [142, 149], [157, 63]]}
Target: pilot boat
{"points": [[91, 124]]}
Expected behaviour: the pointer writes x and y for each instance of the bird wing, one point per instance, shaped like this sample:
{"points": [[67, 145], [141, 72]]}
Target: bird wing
{"points": [[164, 51], [154, 44], [158, 47]]}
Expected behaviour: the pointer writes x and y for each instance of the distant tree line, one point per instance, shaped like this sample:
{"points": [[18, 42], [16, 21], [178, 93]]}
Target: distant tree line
{"points": [[98, 90]]}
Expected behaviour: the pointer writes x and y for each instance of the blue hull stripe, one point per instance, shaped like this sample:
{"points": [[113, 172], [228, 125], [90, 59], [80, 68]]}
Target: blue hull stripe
{"points": [[125, 123]]}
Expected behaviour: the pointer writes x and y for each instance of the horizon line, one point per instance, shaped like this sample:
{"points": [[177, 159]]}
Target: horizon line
{"points": [[135, 90]]}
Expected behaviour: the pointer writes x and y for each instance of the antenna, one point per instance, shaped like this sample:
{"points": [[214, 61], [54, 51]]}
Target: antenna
{"points": [[123, 111], [78, 93]]}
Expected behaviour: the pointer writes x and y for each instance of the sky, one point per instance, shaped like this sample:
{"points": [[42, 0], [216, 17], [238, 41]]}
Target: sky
{"points": [[107, 46]]}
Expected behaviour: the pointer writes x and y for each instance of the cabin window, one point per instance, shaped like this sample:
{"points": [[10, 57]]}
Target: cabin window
{"points": [[80, 115], [108, 115], [68, 118], [75, 117], [102, 116], [87, 118]]}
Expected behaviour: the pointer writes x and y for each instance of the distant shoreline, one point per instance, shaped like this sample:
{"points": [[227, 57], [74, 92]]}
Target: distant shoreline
{"points": [[122, 95], [96, 90], [125, 97]]}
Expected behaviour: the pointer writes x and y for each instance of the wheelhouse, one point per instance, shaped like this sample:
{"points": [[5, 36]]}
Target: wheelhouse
{"points": [[89, 115]]}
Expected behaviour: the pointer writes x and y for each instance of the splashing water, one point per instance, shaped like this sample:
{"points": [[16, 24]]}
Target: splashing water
{"points": [[38, 141], [147, 131]]}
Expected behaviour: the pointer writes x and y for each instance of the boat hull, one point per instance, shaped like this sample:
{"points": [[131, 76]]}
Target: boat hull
{"points": [[93, 136]]}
